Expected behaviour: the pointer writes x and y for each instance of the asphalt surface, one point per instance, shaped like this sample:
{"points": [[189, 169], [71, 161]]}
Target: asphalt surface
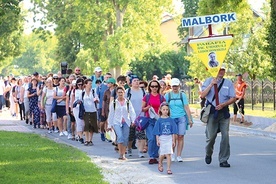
{"points": [[253, 157]]}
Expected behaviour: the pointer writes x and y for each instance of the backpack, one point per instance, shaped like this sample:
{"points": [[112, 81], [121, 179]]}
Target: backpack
{"points": [[93, 93], [93, 77], [181, 98], [129, 94], [114, 104]]}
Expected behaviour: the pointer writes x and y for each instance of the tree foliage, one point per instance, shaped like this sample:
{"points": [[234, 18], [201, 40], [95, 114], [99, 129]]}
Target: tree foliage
{"points": [[191, 7], [10, 28], [272, 38], [160, 63], [114, 31]]}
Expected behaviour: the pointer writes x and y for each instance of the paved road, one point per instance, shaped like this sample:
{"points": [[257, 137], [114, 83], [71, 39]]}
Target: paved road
{"points": [[253, 158]]}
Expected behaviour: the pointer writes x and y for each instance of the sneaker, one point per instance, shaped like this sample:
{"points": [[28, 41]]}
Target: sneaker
{"points": [[60, 134], [173, 157], [129, 152], [70, 136], [81, 140], [208, 159], [56, 130], [49, 131], [179, 159], [141, 155], [224, 164], [65, 133], [102, 137]]}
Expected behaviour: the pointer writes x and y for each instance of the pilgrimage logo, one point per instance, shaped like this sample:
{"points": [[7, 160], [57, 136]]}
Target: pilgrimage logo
{"points": [[211, 51]]}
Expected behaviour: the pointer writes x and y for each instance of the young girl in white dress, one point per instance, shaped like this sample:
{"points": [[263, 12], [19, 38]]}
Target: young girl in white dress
{"points": [[165, 130]]}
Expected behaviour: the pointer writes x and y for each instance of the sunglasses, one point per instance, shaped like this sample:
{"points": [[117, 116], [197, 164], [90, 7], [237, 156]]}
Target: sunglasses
{"points": [[78, 70], [55, 78], [79, 84], [154, 86]]}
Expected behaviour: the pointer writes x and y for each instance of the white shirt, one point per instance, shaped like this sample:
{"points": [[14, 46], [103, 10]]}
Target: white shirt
{"points": [[89, 102], [116, 116], [49, 93]]}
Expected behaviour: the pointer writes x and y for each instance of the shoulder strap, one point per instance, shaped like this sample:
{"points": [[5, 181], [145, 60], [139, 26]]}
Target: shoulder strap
{"points": [[169, 97], [102, 77], [147, 98], [127, 105], [93, 93], [218, 88], [144, 93], [114, 103], [82, 95], [92, 77], [181, 98], [128, 93]]}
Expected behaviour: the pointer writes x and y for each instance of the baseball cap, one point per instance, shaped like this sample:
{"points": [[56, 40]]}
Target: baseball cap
{"points": [[111, 80], [55, 76], [155, 76], [35, 73], [98, 69], [175, 82], [74, 82], [133, 77], [223, 67], [239, 75]]}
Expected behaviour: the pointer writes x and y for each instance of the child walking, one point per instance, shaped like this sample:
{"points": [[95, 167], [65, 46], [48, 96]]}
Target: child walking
{"points": [[165, 131]]}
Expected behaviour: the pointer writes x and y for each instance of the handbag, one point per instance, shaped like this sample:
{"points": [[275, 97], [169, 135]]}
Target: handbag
{"points": [[53, 107], [204, 114], [153, 114], [141, 123]]}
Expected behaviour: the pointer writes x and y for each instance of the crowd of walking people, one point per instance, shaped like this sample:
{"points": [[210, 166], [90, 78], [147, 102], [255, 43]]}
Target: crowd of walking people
{"points": [[77, 107]]}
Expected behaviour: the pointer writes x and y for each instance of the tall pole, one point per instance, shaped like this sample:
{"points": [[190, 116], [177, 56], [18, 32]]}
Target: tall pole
{"points": [[215, 85]]}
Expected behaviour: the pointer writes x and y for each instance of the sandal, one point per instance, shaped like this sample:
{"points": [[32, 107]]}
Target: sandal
{"points": [[86, 143], [90, 143], [169, 171], [160, 167]]}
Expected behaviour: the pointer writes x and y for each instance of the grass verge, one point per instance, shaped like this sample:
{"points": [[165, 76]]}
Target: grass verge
{"points": [[29, 158]]}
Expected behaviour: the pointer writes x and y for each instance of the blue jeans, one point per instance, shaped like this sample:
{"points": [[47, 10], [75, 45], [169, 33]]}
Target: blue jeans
{"points": [[122, 133], [152, 145]]}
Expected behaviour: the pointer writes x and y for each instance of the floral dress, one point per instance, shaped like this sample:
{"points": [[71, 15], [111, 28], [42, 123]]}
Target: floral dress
{"points": [[34, 109]]}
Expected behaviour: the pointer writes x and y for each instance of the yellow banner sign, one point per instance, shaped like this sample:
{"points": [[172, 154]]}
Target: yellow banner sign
{"points": [[212, 51]]}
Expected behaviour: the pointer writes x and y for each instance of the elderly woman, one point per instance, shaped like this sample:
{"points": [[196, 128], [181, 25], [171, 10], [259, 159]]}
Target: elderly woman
{"points": [[121, 115], [180, 112]]}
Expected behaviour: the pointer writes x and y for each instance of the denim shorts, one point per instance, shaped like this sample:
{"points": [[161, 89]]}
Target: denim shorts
{"points": [[181, 124], [122, 132]]}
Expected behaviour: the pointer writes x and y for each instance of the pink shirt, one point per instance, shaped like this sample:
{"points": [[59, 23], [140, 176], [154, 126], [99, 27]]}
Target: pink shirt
{"points": [[154, 101]]}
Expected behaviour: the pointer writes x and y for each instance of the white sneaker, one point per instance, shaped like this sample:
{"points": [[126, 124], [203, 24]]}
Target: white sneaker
{"points": [[60, 134], [65, 133], [56, 130], [49, 131], [141, 155], [173, 157], [70, 136], [179, 159]]}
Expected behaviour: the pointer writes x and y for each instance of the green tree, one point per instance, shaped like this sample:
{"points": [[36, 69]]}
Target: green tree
{"points": [[115, 31], [10, 28], [191, 7], [160, 63], [37, 55], [272, 38]]}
